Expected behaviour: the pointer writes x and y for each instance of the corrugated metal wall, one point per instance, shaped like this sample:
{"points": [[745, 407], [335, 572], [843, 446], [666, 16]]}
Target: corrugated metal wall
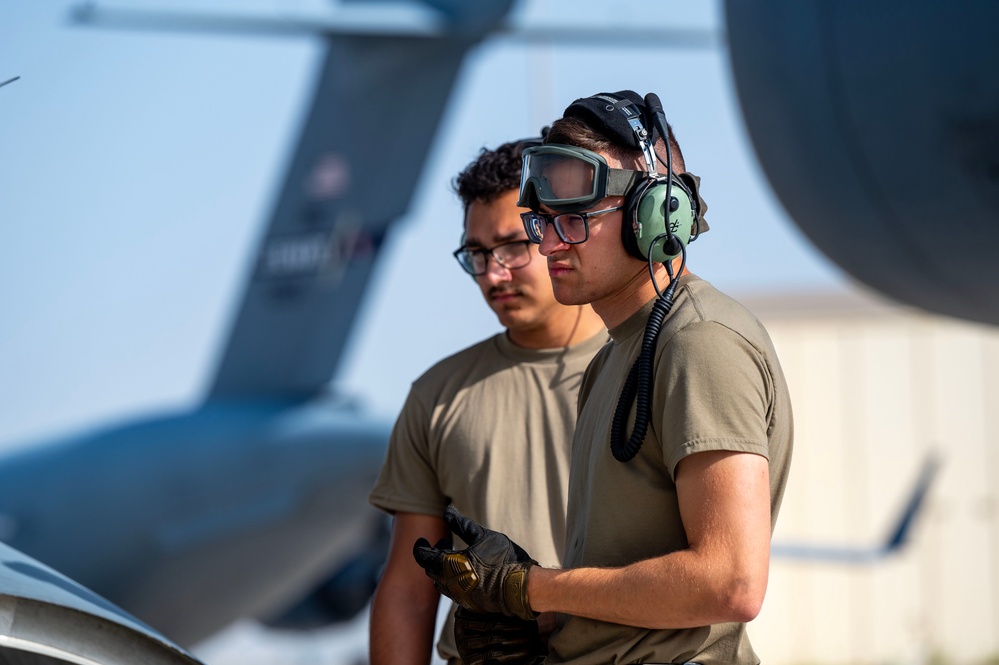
{"points": [[876, 389]]}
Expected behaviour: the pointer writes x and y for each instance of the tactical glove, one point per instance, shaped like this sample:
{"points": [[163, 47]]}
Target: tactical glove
{"points": [[496, 639], [490, 576]]}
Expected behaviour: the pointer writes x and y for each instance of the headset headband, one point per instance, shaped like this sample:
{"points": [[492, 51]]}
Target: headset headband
{"points": [[613, 114]]}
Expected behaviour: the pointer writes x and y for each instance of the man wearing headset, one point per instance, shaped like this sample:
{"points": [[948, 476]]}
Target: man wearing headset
{"points": [[465, 434], [669, 522]]}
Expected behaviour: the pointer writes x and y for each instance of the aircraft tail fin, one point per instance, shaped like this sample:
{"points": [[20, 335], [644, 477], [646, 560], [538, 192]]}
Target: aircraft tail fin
{"points": [[381, 93], [373, 117], [898, 535]]}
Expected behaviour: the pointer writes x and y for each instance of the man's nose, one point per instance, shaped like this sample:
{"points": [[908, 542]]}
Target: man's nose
{"points": [[496, 271], [550, 242]]}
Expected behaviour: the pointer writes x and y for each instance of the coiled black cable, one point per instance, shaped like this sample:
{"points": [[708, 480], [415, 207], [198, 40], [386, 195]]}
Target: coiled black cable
{"points": [[638, 386]]}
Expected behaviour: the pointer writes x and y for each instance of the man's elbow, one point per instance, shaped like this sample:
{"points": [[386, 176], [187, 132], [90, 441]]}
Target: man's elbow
{"points": [[742, 599]]}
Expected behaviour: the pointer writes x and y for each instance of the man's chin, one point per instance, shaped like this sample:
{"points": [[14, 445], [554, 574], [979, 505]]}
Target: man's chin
{"points": [[512, 319], [569, 297]]}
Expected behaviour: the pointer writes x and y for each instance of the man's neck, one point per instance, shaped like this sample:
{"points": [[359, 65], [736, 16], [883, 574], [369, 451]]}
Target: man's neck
{"points": [[575, 325], [617, 308]]}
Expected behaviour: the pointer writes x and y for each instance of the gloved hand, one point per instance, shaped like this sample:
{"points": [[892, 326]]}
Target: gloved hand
{"points": [[490, 576], [495, 639]]}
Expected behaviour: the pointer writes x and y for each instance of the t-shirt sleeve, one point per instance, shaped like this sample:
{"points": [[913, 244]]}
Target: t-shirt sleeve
{"points": [[408, 479], [714, 391]]}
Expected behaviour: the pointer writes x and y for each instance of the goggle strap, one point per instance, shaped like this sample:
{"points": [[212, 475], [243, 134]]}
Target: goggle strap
{"points": [[619, 181]]}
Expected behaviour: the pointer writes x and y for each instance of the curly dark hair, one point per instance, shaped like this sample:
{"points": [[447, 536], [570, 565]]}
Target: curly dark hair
{"points": [[493, 173]]}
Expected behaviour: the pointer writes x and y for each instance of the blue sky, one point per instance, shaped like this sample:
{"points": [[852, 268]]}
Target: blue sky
{"points": [[137, 170]]}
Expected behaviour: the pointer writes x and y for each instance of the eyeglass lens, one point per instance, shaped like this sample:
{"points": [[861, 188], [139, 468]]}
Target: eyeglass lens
{"points": [[510, 255], [571, 228]]}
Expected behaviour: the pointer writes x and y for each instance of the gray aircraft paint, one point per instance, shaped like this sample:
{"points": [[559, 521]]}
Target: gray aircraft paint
{"points": [[878, 127]]}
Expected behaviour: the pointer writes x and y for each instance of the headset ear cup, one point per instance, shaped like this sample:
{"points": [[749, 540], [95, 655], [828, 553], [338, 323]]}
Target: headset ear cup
{"points": [[644, 219], [652, 213], [630, 223]]}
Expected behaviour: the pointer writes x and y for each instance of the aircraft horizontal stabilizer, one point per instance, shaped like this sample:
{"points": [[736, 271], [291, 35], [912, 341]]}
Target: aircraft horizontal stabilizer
{"points": [[409, 20], [595, 36], [388, 20]]}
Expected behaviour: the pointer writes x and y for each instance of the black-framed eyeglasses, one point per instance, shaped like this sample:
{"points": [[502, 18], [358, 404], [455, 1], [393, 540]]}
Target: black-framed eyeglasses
{"points": [[511, 255], [571, 227]]}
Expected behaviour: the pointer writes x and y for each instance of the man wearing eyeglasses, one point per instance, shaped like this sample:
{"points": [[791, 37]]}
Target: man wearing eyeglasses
{"points": [[683, 441], [487, 429]]}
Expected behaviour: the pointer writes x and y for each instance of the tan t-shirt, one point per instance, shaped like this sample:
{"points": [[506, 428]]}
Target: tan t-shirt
{"points": [[489, 430], [717, 386]]}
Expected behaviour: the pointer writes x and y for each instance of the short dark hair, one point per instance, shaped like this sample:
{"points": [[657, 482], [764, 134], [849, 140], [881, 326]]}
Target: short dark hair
{"points": [[576, 132], [493, 173]]}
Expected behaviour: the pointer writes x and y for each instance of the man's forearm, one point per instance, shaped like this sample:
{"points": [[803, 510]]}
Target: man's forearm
{"points": [[404, 607], [673, 591], [402, 628]]}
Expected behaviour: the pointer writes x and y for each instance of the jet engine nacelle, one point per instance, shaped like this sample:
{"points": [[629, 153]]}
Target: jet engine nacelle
{"points": [[48, 619], [877, 125]]}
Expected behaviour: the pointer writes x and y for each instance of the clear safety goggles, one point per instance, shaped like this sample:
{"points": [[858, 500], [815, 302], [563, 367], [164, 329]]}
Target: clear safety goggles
{"points": [[568, 179]]}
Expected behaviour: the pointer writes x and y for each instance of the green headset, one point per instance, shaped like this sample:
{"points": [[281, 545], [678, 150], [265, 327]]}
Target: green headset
{"points": [[649, 232], [663, 211]]}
